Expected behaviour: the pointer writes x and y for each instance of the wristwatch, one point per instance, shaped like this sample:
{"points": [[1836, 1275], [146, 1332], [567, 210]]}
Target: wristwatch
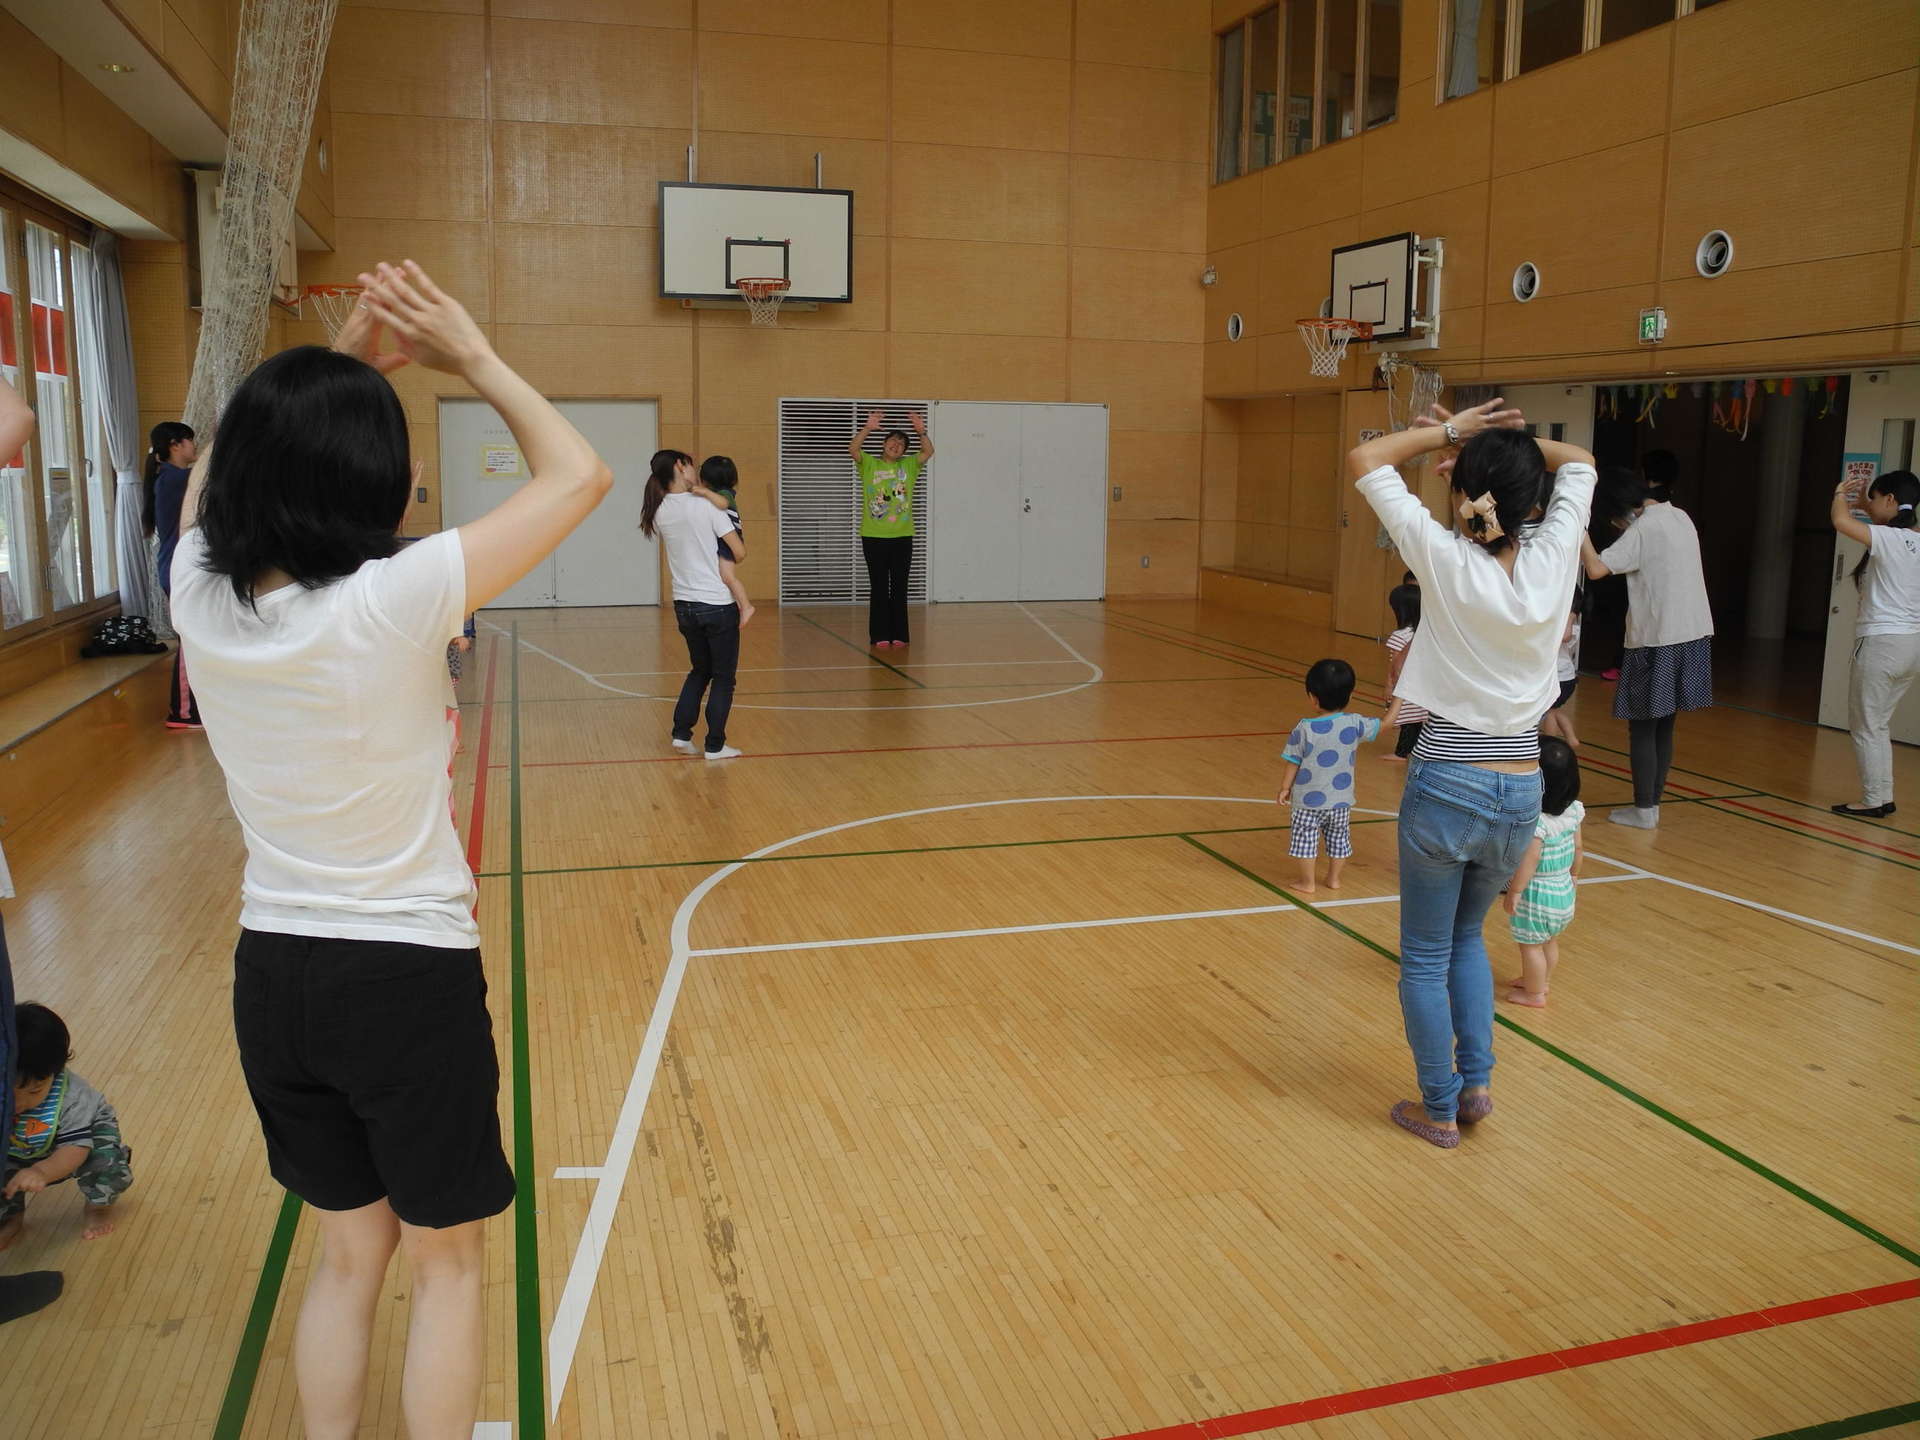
{"points": [[1453, 435]]}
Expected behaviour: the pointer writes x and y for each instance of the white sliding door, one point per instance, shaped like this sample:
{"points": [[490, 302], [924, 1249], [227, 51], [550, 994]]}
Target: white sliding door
{"points": [[1022, 511]]}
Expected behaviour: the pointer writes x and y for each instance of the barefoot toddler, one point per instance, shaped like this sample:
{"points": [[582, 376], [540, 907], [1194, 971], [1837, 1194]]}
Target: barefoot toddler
{"points": [[64, 1130], [1320, 757], [1540, 898]]}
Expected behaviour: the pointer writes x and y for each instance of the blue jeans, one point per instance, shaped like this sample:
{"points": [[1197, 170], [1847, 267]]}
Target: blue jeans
{"points": [[1463, 831]]}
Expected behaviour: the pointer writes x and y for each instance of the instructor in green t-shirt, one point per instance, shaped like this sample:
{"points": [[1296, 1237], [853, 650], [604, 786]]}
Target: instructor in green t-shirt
{"points": [[887, 484]]}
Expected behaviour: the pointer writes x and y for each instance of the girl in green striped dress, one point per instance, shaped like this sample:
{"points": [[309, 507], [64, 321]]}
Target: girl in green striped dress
{"points": [[1539, 899]]}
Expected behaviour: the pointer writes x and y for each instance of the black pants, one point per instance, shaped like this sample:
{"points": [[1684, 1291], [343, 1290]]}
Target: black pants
{"points": [[1409, 737], [1650, 742], [888, 562], [712, 633]]}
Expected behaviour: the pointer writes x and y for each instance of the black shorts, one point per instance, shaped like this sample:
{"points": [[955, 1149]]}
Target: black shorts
{"points": [[1566, 692], [372, 1068], [721, 545]]}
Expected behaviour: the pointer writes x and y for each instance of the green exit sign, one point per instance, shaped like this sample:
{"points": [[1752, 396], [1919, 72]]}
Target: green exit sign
{"points": [[1653, 326]]}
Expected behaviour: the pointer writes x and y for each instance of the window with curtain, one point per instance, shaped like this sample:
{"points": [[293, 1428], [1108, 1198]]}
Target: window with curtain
{"points": [[60, 489], [1338, 81], [1383, 62], [1476, 46], [57, 495], [1229, 111], [1297, 122], [97, 463], [1263, 89], [20, 567]]}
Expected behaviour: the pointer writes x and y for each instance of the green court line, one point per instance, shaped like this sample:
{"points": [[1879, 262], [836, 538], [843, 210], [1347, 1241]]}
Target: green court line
{"points": [[745, 697], [1853, 1424], [945, 849], [1591, 744], [253, 1339], [809, 620], [1652, 1107], [526, 1234], [1788, 829]]}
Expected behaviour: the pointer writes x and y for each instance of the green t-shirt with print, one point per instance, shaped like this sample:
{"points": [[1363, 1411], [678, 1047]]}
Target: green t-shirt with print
{"points": [[886, 496]]}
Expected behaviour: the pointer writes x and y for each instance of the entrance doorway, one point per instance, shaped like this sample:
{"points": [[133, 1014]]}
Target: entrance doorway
{"points": [[606, 561]]}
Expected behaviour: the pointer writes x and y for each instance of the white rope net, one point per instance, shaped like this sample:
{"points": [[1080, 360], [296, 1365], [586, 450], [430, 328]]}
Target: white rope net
{"points": [[276, 80], [1411, 389]]}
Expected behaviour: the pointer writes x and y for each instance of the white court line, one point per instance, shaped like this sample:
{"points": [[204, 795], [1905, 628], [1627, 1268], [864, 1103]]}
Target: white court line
{"points": [[1288, 909], [570, 1310], [593, 679], [1763, 909], [820, 669]]}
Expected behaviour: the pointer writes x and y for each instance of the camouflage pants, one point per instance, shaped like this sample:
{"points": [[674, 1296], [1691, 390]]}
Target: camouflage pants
{"points": [[102, 1177]]}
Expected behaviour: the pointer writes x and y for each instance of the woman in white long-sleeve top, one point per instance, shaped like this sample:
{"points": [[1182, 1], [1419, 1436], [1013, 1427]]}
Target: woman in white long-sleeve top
{"points": [[1493, 606]]}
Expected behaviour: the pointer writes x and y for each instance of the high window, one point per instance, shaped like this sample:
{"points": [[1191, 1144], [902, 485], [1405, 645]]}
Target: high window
{"points": [[1488, 41]]}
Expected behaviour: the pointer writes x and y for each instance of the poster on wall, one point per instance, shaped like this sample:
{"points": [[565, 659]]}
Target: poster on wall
{"points": [[499, 461], [1859, 470]]}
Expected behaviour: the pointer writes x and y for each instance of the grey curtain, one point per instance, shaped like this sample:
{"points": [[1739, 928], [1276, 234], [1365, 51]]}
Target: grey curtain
{"points": [[112, 363]]}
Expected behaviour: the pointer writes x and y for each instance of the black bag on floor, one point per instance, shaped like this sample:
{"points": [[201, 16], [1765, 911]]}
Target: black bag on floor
{"points": [[124, 635]]}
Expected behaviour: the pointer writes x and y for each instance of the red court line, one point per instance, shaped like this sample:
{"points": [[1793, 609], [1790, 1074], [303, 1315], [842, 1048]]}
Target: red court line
{"points": [[483, 747], [1850, 836], [1477, 1377], [908, 749]]}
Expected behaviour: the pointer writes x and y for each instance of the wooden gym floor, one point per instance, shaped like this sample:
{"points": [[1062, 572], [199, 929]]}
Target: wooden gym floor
{"points": [[957, 1063]]}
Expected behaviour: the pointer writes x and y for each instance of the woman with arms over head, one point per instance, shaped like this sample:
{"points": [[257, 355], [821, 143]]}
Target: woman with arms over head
{"points": [[888, 484], [1886, 651], [318, 647], [1494, 597]]}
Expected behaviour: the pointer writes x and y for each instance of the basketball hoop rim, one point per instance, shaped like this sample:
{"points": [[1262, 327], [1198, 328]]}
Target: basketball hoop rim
{"points": [[1354, 329], [762, 285]]}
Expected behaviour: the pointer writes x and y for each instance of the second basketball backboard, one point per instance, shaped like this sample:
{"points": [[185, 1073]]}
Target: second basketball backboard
{"points": [[1393, 284]]}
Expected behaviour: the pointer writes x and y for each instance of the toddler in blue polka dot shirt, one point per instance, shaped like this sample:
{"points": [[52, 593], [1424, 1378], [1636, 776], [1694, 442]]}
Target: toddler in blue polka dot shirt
{"points": [[1320, 757]]}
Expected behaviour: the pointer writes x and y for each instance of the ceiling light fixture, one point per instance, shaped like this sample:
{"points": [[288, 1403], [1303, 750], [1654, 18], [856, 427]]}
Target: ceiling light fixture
{"points": [[115, 68]]}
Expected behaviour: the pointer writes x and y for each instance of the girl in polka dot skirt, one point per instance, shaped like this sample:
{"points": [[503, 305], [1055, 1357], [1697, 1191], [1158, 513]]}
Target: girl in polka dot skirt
{"points": [[1320, 758]]}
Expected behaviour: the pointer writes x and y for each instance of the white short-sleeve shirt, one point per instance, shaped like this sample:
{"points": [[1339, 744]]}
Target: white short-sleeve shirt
{"points": [[690, 525], [1890, 590], [331, 712], [1666, 588]]}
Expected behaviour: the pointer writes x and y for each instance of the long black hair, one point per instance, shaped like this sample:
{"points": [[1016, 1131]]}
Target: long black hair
{"points": [[1507, 465], [1559, 775], [1904, 487], [659, 483], [160, 443], [311, 473], [1616, 496]]}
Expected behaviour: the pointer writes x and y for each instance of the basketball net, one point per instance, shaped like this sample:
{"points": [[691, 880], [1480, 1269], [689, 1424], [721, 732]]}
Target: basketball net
{"points": [[334, 304], [763, 299], [1412, 389], [1327, 340]]}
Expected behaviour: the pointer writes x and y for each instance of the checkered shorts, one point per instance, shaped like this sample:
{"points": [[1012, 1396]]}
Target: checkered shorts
{"points": [[1303, 843]]}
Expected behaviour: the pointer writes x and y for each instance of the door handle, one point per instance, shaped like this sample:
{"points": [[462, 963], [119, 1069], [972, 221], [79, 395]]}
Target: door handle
{"points": [[1026, 507]]}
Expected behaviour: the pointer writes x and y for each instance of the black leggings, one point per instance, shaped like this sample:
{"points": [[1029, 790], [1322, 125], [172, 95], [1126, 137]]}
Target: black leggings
{"points": [[1651, 745], [889, 562]]}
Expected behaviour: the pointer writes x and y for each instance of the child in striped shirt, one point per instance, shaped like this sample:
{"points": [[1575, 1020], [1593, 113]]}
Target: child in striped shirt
{"points": [[1405, 603]]}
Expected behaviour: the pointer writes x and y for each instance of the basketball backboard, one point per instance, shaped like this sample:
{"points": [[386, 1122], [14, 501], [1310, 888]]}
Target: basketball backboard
{"points": [[1392, 283], [712, 236]]}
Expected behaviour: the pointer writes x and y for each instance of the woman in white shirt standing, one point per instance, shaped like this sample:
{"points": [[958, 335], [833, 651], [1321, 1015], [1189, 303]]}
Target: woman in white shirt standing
{"points": [[318, 648], [1886, 654], [1668, 664], [690, 518], [1493, 606]]}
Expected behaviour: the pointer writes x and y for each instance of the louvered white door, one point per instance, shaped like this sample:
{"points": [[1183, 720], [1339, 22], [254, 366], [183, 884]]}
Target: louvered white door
{"points": [[820, 562]]}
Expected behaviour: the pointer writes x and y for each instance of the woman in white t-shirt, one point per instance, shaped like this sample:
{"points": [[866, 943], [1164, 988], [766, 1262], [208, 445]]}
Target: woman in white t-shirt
{"points": [[1493, 605], [1886, 652], [689, 518], [318, 648], [1668, 663]]}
